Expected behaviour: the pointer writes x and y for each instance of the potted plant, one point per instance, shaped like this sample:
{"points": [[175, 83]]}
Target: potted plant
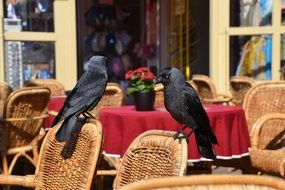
{"points": [[141, 85]]}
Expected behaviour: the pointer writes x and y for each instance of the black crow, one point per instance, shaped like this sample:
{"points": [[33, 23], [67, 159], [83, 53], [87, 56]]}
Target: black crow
{"points": [[183, 103], [84, 96]]}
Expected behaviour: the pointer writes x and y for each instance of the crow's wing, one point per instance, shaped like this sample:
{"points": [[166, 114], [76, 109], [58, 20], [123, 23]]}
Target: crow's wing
{"points": [[84, 96], [60, 114], [195, 109]]}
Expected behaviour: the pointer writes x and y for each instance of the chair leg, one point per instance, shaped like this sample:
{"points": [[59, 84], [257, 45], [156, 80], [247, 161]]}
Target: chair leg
{"points": [[11, 167], [35, 155], [13, 162], [4, 163], [115, 161], [30, 159]]}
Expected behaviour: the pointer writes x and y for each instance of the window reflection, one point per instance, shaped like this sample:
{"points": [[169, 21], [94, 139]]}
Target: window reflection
{"points": [[251, 56], [282, 56], [28, 60], [283, 12], [29, 15], [250, 13]]}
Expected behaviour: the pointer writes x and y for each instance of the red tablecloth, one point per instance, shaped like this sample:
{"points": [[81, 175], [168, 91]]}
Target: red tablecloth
{"points": [[122, 125], [55, 104]]}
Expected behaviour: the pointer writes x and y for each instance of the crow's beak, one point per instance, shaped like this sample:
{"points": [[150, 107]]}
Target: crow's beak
{"points": [[158, 80]]}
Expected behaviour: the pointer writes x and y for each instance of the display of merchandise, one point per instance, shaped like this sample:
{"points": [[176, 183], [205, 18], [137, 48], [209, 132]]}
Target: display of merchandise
{"points": [[14, 65], [109, 38]]}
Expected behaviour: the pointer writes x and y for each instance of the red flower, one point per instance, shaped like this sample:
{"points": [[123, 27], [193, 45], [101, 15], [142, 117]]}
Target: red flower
{"points": [[147, 76], [142, 69], [138, 73], [140, 79], [128, 75]]}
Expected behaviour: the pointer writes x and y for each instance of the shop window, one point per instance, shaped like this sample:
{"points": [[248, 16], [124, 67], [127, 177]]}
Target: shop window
{"points": [[251, 56], [283, 12], [282, 55], [251, 13], [109, 36], [29, 15], [28, 60]]}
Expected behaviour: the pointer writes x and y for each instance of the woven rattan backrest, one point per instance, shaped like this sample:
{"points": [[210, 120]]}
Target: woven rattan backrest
{"points": [[239, 85], [28, 106], [262, 98], [152, 154], [56, 88], [5, 90], [71, 164], [205, 86], [210, 182], [113, 97], [159, 94]]}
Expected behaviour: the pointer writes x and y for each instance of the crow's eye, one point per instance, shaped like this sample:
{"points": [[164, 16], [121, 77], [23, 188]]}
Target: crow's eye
{"points": [[167, 76]]}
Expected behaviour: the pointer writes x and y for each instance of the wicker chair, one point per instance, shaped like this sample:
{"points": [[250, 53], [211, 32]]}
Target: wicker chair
{"points": [[267, 151], [152, 154], [64, 165], [193, 85], [56, 88], [113, 97], [209, 182], [159, 95], [207, 90], [5, 90], [239, 85], [21, 127], [262, 98]]}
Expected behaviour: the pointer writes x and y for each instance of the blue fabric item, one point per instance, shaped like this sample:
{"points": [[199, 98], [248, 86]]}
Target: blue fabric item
{"points": [[265, 7]]}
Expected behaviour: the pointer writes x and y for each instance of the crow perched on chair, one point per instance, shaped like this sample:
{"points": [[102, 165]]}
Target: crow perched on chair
{"points": [[84, 97], [183, 103]]}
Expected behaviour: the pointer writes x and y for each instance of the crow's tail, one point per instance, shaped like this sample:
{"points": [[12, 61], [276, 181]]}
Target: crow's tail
{"points": [[68, 126], [204, 145]]}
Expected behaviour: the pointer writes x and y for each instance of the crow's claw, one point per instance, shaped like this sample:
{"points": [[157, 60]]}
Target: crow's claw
{"points": [[180, 136], [88, 115]]}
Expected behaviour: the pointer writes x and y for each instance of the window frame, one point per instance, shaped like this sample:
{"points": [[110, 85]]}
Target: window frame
{"points": [[221, 31], [64, 37]]}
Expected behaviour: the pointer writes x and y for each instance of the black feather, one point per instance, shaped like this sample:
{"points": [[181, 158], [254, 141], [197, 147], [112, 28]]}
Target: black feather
{"points": [[84, 96], [184, 105]]}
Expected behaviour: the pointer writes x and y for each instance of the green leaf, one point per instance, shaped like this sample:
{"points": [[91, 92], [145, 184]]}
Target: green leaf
{"points": [[132, 90]]}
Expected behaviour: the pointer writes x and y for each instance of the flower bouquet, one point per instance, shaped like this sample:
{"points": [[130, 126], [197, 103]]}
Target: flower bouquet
{"points": [[141, 85], [140, 80]]}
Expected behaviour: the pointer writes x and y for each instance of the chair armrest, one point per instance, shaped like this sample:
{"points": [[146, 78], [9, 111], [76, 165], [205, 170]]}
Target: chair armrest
{"points": [[257, 126], [15, 180], [107, 172], [52, 112], [24, 118], [113, 161], [218, 100]]}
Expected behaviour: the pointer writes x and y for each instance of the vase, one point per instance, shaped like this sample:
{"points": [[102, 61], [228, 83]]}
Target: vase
{"points": [[144, 101]]}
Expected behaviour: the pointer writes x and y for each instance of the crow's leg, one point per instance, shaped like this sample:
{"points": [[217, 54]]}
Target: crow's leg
{"points": [[180, 134], [87, 115], [190, 133]]}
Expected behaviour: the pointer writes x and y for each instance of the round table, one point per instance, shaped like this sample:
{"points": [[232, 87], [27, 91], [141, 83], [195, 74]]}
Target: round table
{"points": [[123, 124]]}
